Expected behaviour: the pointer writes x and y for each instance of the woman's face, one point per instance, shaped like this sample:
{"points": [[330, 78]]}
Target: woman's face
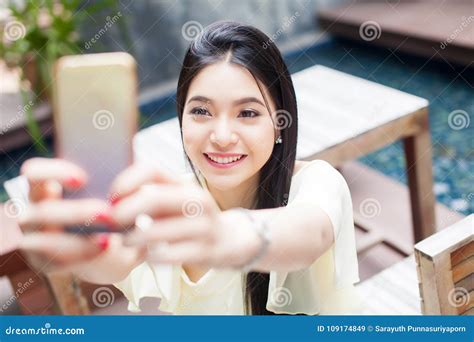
{"points": [[228, 131]]}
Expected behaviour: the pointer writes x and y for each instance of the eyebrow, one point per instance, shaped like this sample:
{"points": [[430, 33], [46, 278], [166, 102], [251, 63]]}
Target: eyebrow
{"points": [[236, 102]]}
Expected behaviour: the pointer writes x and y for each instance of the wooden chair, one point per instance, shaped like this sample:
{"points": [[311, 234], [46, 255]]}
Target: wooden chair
{"points": [[445, 268]]}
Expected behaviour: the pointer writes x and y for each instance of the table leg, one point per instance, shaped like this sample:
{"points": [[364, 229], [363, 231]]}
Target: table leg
{"points": [[66, 294], [418, 153]]}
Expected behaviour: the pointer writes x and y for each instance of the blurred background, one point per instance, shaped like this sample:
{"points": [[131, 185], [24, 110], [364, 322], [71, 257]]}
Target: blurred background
{"points": [[419, 47]]}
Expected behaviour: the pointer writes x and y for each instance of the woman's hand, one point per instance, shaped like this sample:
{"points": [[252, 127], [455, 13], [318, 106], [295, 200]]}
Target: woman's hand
{"points": [[187, 225], [45, 244]]}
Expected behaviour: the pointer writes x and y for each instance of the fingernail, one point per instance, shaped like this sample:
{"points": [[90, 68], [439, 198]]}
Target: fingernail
{"points": [[103, 241], [73, 182], [114, 200], [106, 219]]}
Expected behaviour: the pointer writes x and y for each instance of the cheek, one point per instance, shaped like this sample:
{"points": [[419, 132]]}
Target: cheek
{"points": [[260, 143], [193, 138]]}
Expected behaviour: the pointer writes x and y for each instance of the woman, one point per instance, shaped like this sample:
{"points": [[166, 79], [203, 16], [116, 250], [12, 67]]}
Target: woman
{"points": [[270, 235]]}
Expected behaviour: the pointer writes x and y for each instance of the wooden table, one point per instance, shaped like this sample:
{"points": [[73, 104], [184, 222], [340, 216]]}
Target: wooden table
{"points": [[341, 118]]}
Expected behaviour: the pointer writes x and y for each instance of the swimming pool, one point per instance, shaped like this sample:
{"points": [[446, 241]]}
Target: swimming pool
{"points": [[449, 90]]}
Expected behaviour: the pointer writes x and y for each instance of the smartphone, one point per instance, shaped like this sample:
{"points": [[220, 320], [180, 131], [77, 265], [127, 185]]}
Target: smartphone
{"points": [[95, 118]]}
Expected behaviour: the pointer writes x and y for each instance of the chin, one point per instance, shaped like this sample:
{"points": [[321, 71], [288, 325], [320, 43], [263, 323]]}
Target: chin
{"points": [[223, 182]]}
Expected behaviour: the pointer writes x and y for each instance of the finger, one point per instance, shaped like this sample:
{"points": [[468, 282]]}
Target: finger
{"points": [[132, 178], [183, 252], [170, 230], [161, 200], [40, 173], [63, 249], [65, 212]]}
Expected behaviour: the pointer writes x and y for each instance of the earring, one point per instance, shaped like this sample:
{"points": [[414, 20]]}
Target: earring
{"points": [[279, 140]]}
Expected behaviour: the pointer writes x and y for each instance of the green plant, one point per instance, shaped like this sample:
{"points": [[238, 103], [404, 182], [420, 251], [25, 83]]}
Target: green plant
{"points": [[38, 33]]}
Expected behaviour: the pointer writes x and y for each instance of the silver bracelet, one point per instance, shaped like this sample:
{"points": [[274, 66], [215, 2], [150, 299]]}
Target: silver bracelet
{"points": [[263, 233]]}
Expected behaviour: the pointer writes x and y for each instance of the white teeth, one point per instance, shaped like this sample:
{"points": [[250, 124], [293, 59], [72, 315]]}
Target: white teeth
{"points": [[225, 160]]}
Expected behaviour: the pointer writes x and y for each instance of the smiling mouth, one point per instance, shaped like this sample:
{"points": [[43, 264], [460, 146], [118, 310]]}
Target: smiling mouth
{"points": [[225, 160]]}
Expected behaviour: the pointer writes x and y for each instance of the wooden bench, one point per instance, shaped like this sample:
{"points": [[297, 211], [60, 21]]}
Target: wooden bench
{"points": [[445, 268], [394, 291], [437, 280]]}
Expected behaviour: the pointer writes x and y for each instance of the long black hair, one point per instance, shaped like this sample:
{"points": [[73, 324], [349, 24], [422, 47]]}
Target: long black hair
{"points": [[250, 48]]}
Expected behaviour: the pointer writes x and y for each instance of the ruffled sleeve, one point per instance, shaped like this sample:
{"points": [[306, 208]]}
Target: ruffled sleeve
{"points": [[148, 280], [327, 285]]}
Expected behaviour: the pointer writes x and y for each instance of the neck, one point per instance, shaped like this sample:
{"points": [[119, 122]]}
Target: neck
{"points": [[244, 195]]}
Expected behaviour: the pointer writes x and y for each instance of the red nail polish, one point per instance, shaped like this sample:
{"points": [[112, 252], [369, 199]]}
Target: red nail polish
{"points": [[103, 241], [105, 218], [114, 200], [73, 182]]}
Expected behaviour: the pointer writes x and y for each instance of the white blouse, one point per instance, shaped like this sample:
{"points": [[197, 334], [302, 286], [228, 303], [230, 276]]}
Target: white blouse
{"points": [[325, 287]]}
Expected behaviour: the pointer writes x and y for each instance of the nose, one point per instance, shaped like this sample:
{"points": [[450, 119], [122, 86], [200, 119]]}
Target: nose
{"points": [[223, 134]]}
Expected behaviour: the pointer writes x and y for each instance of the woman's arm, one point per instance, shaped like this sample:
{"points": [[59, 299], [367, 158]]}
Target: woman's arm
{"points": [[299, 235]]}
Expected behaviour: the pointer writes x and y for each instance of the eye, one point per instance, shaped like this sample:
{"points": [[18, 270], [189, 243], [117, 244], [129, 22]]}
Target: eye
{"points": [[200, 111], [248, 113]]}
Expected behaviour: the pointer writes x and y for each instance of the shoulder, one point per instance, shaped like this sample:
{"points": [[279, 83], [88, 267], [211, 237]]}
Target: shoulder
{"points": [[315, 168], [318, 178]]}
